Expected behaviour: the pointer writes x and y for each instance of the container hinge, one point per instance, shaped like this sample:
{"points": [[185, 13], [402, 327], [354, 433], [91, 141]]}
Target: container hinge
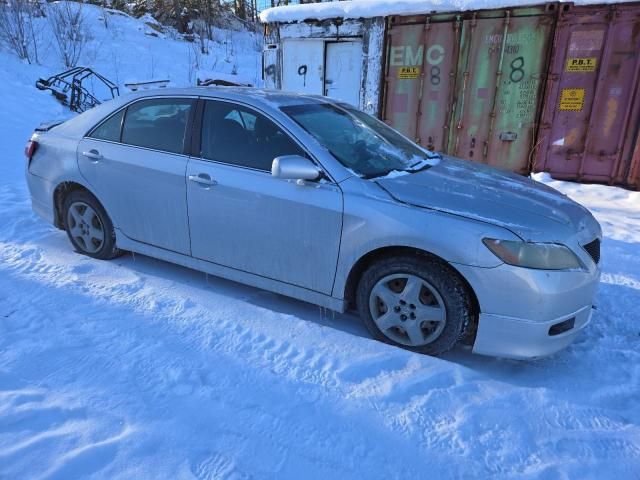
{"points": [[508, 136]]}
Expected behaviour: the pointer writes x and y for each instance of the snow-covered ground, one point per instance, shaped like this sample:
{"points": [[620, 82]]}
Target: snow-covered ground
{"points": [[137, 368], [125, 49]]}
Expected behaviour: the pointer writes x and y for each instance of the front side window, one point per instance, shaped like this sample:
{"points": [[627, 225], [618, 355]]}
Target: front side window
{"points": [[360, 142], [109, 129], [240, 136], [158, 123]]}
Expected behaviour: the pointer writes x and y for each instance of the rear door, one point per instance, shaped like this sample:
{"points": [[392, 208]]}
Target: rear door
{"points": [[135, 163], [344, 71], [244, 218]]}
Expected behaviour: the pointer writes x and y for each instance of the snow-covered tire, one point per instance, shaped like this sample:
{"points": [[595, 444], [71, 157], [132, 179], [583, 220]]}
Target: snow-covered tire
{"points": [[388, 304], [88, 226]]}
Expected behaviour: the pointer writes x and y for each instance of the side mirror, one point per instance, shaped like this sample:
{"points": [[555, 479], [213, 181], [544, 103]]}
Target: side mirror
{"points": [[294, 167]]}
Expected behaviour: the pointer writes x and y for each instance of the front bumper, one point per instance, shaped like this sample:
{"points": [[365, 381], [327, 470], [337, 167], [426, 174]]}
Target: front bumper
{"points": [[517, 338], [519, 307]]}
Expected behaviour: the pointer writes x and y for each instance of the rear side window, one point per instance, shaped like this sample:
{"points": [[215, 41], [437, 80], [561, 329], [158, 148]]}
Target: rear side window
{"points": [[109, 129], [158, 123], [240, 136]]}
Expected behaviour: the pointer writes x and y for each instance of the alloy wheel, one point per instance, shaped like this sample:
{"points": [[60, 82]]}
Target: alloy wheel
{"points": [[407, 309], [85, 227]]}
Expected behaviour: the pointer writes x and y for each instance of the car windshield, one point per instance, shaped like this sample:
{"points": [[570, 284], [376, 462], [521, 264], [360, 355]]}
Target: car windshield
{"points": [[360, 142]]}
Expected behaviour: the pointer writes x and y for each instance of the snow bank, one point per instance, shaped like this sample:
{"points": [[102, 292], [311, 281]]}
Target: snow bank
{"points": [[121, 48], [383, 8]]}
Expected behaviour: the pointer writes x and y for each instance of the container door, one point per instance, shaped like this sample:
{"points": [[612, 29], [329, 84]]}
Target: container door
{"points": [[500, 73], [588, 111], [303, 66], [269, 65], [420, 77], [344, 71]]}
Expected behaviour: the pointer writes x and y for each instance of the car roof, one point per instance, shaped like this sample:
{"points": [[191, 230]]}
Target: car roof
{"points": [[272, 98], [258, 97]]}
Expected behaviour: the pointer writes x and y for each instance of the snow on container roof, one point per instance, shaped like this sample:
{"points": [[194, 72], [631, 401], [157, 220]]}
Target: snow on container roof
{"points": [[384, 8]]}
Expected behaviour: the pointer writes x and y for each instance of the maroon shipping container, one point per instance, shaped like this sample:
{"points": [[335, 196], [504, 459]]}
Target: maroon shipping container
{"points": [[589, 122]]}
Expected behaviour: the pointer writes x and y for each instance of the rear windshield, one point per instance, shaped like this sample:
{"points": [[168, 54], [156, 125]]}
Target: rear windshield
{"points": [[360, 142]]}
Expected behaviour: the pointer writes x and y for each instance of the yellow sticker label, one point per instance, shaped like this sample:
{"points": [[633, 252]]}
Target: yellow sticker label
{"points": [[583, 64], [405, 73], [572, 99]]}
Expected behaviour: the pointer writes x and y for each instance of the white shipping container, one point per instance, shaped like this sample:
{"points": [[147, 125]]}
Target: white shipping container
{"points": [[340, 59]]}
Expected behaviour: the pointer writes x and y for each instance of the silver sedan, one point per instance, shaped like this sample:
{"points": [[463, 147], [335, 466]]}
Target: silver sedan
{"points": [[316, 200]]}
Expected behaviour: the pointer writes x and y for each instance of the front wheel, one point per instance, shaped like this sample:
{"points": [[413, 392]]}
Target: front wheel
{"points": [[417, 303], [88, 226]]}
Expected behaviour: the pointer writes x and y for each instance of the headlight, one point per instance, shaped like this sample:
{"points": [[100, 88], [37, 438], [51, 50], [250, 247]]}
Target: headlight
{"points": [[543, 256]]}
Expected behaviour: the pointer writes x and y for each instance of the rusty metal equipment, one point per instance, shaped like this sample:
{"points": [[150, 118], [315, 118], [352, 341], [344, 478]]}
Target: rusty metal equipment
{"points": [[68, 88], [221, 82]]}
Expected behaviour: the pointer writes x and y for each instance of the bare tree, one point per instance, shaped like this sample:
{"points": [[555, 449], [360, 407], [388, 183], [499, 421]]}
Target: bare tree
{"points": [[105, 13], [69, 30], [16, 28], [203, 34]]}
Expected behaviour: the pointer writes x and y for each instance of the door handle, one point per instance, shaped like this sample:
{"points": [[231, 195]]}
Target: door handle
{"points": [[203, 179], [93, 155]]}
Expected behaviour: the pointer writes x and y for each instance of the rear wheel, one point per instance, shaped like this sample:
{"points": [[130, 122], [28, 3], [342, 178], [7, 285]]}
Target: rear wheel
{"points": [[417, 303], [88, 226]]}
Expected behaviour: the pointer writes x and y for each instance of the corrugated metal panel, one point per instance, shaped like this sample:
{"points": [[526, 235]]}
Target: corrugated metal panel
{"points": [[633, 178], [589, 118], [419, 101], [469, 85], [501, 69]]}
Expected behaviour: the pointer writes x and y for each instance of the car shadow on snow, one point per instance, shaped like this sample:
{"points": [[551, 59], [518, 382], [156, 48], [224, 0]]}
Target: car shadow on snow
{"points": [[347, 322]]}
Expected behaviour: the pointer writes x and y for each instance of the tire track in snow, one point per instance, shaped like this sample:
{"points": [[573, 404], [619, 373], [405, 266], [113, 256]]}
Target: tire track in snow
{"points": [[158, 378]]}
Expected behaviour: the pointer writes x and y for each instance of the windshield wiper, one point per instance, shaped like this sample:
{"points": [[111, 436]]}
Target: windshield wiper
{"points": [[419, 166]]}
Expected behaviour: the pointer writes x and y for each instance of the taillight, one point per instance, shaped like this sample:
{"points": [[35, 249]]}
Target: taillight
{"points": [[30, 148]]}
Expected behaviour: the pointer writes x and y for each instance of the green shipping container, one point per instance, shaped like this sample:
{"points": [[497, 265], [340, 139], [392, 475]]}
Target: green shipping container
{"points": [[470, 84]]}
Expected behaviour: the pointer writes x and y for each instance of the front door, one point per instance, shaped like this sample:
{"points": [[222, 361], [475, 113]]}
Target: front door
{"points": [[343, 71], [242, 217], [136, 167]]}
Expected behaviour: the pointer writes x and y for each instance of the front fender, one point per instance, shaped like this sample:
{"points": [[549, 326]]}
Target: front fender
{"points": [[372, 222]]}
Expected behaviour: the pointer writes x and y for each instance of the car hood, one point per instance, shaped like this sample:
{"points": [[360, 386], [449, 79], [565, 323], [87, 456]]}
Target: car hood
{"points": [[530, 209]]}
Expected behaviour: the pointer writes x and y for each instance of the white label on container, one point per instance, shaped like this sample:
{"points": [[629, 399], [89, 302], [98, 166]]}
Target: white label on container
{"points": [[586, 40], [615, 92]]}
